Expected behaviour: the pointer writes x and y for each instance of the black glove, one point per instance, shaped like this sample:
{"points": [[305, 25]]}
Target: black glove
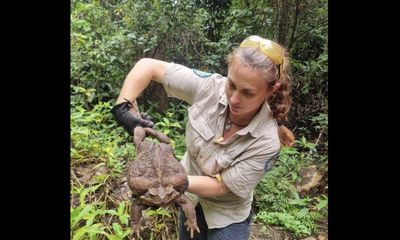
{"points": [[128, 119]]}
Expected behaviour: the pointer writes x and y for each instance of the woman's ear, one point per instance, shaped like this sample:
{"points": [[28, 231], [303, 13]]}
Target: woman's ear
{"points": [[276, 87]]}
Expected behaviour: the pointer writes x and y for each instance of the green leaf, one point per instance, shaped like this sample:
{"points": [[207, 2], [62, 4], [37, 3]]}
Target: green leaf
{"points": [[303, 140], [302, 212], [74, 214], [166, 120], [309, 145], [86, 191], [177, 125], [121, 208], [294, 176], [161, 124], [82, 130], [321, 204], [294, 192], [131, 36], [90, 218], [112, 212], [118, 229], [91, 97], [113, 237], [300, 202], [159, 211], [124, 219], [93, 229], [81, 214]]}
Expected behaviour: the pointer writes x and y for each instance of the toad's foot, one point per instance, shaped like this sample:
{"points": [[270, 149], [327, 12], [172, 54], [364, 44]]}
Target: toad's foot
{"points": [[191, 226]]}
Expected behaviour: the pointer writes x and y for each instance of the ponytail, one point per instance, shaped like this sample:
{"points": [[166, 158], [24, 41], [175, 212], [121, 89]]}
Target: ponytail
{"points": [[280, 101]]}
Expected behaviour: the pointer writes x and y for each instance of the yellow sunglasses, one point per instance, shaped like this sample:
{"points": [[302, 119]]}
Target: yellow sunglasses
{"points": [[267, 47]]}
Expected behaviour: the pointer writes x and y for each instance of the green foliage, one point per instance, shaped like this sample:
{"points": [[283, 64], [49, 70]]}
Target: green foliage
{"points": [[278, 200], [166, 125], [172, 124], [160, 224], [95, 135], [84, 215], [320, 121], [96, 140], [310, 92], [97, 61], [86, 219], [120, 229]]}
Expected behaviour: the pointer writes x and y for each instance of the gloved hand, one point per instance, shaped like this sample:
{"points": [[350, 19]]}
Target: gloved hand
{"points": [[129, 118]]}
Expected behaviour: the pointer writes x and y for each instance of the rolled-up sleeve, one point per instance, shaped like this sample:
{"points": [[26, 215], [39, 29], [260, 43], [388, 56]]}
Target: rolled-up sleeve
{"points": [[244, 176], [181, 82]]}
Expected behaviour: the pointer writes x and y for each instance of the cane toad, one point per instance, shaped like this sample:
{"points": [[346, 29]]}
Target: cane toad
{"points": [[156, 178]]}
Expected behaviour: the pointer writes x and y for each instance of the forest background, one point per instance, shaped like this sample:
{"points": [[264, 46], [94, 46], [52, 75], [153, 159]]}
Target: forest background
{"points": [[108, 37]]}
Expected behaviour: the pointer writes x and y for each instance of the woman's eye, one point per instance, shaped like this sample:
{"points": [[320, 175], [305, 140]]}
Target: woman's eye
{"points": [[249, 94]]}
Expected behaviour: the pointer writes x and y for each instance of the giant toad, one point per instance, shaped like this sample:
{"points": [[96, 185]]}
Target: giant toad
{"points": [[156, 178]]}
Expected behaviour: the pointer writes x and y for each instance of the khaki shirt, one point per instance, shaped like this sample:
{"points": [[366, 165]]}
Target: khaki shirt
{"points": [[244, 158]]}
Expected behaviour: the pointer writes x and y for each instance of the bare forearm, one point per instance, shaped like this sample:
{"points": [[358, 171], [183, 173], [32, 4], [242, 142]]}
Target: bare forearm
{"points": [[140, 77], [206, 186]]}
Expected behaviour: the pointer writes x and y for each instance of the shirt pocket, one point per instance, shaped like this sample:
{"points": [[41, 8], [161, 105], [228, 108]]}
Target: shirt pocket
{"points": [[199, 123], [227, 159], [234, 152], [198, 132]]}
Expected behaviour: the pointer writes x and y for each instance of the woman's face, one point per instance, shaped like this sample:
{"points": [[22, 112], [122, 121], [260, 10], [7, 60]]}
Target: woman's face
{"points": [[245, 89]]}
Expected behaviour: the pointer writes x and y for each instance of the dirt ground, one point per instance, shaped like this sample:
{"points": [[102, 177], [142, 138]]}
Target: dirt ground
{"points": [[259, 232]]}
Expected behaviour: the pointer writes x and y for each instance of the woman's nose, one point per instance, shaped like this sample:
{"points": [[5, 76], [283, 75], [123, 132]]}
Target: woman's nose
{"points": [[235, 98]]}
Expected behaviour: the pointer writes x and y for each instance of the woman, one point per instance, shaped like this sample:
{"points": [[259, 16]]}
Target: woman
{"points": [[234, 133]]}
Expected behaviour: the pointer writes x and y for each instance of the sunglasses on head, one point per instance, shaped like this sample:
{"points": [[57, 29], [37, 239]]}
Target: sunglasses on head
{"points": [[267, 47]]}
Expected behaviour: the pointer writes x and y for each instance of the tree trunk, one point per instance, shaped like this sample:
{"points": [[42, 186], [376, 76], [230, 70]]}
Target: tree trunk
{"points": [[294, 27], [283, 22], [155, 93]]}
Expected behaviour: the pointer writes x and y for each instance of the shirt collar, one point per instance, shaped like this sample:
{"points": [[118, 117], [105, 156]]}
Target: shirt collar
{"points": [[255, 126]]}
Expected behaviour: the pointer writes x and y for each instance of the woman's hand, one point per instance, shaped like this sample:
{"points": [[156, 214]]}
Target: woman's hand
{"points": [[129, 118]]}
